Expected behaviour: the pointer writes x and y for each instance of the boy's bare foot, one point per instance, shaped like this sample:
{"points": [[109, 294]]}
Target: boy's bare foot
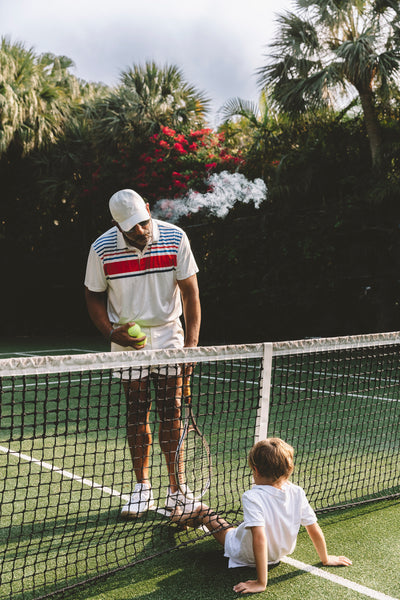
{"points": [[187, 519]]}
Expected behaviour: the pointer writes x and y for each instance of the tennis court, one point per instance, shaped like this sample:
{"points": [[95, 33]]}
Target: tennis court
{"points": [[67, 471]]}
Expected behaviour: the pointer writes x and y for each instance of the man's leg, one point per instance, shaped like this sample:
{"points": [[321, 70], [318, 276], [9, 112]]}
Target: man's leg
{"points": [[169, 401], [138, 428], [139, 440]]}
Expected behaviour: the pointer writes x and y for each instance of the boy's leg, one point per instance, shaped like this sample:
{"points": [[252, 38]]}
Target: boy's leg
{"points": [[216, 525], [203, 515]]}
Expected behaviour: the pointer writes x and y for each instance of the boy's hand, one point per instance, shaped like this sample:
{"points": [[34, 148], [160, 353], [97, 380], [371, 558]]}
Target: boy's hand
{"points": [[249, 587], [337, 561]]}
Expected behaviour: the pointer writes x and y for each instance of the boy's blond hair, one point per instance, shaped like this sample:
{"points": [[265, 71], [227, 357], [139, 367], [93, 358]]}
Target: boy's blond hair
{"points": [[273, 458]]}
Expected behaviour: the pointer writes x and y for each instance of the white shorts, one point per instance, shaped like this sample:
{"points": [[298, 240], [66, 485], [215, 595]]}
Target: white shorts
{"points": [[241, 554], [160, 337]]}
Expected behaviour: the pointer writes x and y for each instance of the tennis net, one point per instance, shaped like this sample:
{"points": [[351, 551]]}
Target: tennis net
{"points": [[66, 466]]}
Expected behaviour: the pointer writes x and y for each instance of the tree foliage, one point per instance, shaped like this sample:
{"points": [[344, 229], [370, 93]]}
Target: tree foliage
{"points": [[329, 50], [148, 97], [319, 257], [38, 98]]}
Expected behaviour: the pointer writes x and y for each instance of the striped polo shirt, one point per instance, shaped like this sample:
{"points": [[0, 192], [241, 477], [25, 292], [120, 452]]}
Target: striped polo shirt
{"points": [[141, 286]]}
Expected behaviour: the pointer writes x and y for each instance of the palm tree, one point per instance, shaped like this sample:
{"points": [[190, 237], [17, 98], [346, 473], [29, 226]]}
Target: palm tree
{"points": [[37, 94], [148, 97], [333, 47], [164, 94], [255, 129]]}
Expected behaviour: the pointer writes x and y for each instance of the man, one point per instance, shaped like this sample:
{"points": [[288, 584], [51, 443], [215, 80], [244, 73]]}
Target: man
{"points": [[143, 271]]}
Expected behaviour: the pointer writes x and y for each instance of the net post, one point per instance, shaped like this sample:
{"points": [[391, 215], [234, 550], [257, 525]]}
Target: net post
{"points": [[265, 393]]}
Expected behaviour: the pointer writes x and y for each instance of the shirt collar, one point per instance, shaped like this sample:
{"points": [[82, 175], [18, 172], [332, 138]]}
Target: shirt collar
{"points": [[273, 491]]}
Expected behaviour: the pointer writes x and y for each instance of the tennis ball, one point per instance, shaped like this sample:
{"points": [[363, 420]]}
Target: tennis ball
{"points": [[135, 330], [142, 343]]}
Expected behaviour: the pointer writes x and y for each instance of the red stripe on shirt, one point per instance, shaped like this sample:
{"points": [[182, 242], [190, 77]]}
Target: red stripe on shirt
{"points": [[135, 265]]}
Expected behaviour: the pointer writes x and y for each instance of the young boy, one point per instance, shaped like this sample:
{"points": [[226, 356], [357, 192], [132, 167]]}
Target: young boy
{"points": [[273, 511]]}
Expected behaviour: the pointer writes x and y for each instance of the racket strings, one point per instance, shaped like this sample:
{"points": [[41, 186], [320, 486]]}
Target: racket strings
{"points": [[195, 470]]}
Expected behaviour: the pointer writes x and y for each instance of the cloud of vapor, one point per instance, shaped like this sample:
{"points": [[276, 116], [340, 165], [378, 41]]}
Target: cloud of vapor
{"points": [[225, 190]]}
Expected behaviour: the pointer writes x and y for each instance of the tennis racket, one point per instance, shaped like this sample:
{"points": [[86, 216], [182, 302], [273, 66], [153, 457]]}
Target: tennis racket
{"points": [[192, 457]]}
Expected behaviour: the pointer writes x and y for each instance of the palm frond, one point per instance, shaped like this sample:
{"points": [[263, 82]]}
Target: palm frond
{"points": [[237, 107], [297, 36]]}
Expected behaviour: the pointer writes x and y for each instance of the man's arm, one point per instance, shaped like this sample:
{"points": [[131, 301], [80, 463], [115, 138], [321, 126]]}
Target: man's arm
{"points": [[260, 550], [191, 309], [96, 303], [318, 539]]}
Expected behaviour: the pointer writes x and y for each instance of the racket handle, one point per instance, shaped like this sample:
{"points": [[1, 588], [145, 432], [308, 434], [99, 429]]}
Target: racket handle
{"points": [[187, 392]]}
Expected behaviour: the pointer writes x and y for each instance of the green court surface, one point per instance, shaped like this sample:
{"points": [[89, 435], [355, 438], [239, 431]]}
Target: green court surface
{"points": [[73, 439], [67, 471], [368, 535], [26, 346]]}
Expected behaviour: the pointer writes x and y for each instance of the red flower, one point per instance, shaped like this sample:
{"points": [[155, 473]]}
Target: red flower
{"points": [[181, 138], [168, 131], [180, 148], [178, 183], [200, 132]]}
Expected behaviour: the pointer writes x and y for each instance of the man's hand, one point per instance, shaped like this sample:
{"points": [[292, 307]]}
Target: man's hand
{"points": [[121, 337], [249, 587]]}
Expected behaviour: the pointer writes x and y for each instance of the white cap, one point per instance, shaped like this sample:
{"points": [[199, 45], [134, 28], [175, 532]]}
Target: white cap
{"points": [[128, 209]]}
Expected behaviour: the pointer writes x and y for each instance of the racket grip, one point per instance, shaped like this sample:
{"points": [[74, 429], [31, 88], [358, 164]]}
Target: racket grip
{"points": [[187, 392]]}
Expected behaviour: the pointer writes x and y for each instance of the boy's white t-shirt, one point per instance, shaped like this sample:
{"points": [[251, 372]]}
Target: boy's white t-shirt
{"points": [[281, 511]]}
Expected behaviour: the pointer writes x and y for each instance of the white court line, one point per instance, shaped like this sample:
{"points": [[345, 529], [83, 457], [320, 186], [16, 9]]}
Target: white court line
{"points": [[38, 384], [45, 384], [340, 393], [64, 473], [321, 392], [361, 589], [50, 352], [336, 375], [69, 475]]}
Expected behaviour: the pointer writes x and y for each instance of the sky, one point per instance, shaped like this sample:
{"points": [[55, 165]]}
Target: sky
{"points": [[218, 44]]}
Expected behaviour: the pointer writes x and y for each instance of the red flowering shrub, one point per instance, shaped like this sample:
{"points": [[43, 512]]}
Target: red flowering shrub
{"points": [[175, 163], [166, 166]]}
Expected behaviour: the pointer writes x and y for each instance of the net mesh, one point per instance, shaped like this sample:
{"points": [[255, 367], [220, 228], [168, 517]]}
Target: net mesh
{"points": [[67, 470], [340, 410]]}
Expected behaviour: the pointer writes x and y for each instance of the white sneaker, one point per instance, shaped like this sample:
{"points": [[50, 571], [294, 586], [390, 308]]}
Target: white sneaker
{"points": [[186, 502], [140, 501]]}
